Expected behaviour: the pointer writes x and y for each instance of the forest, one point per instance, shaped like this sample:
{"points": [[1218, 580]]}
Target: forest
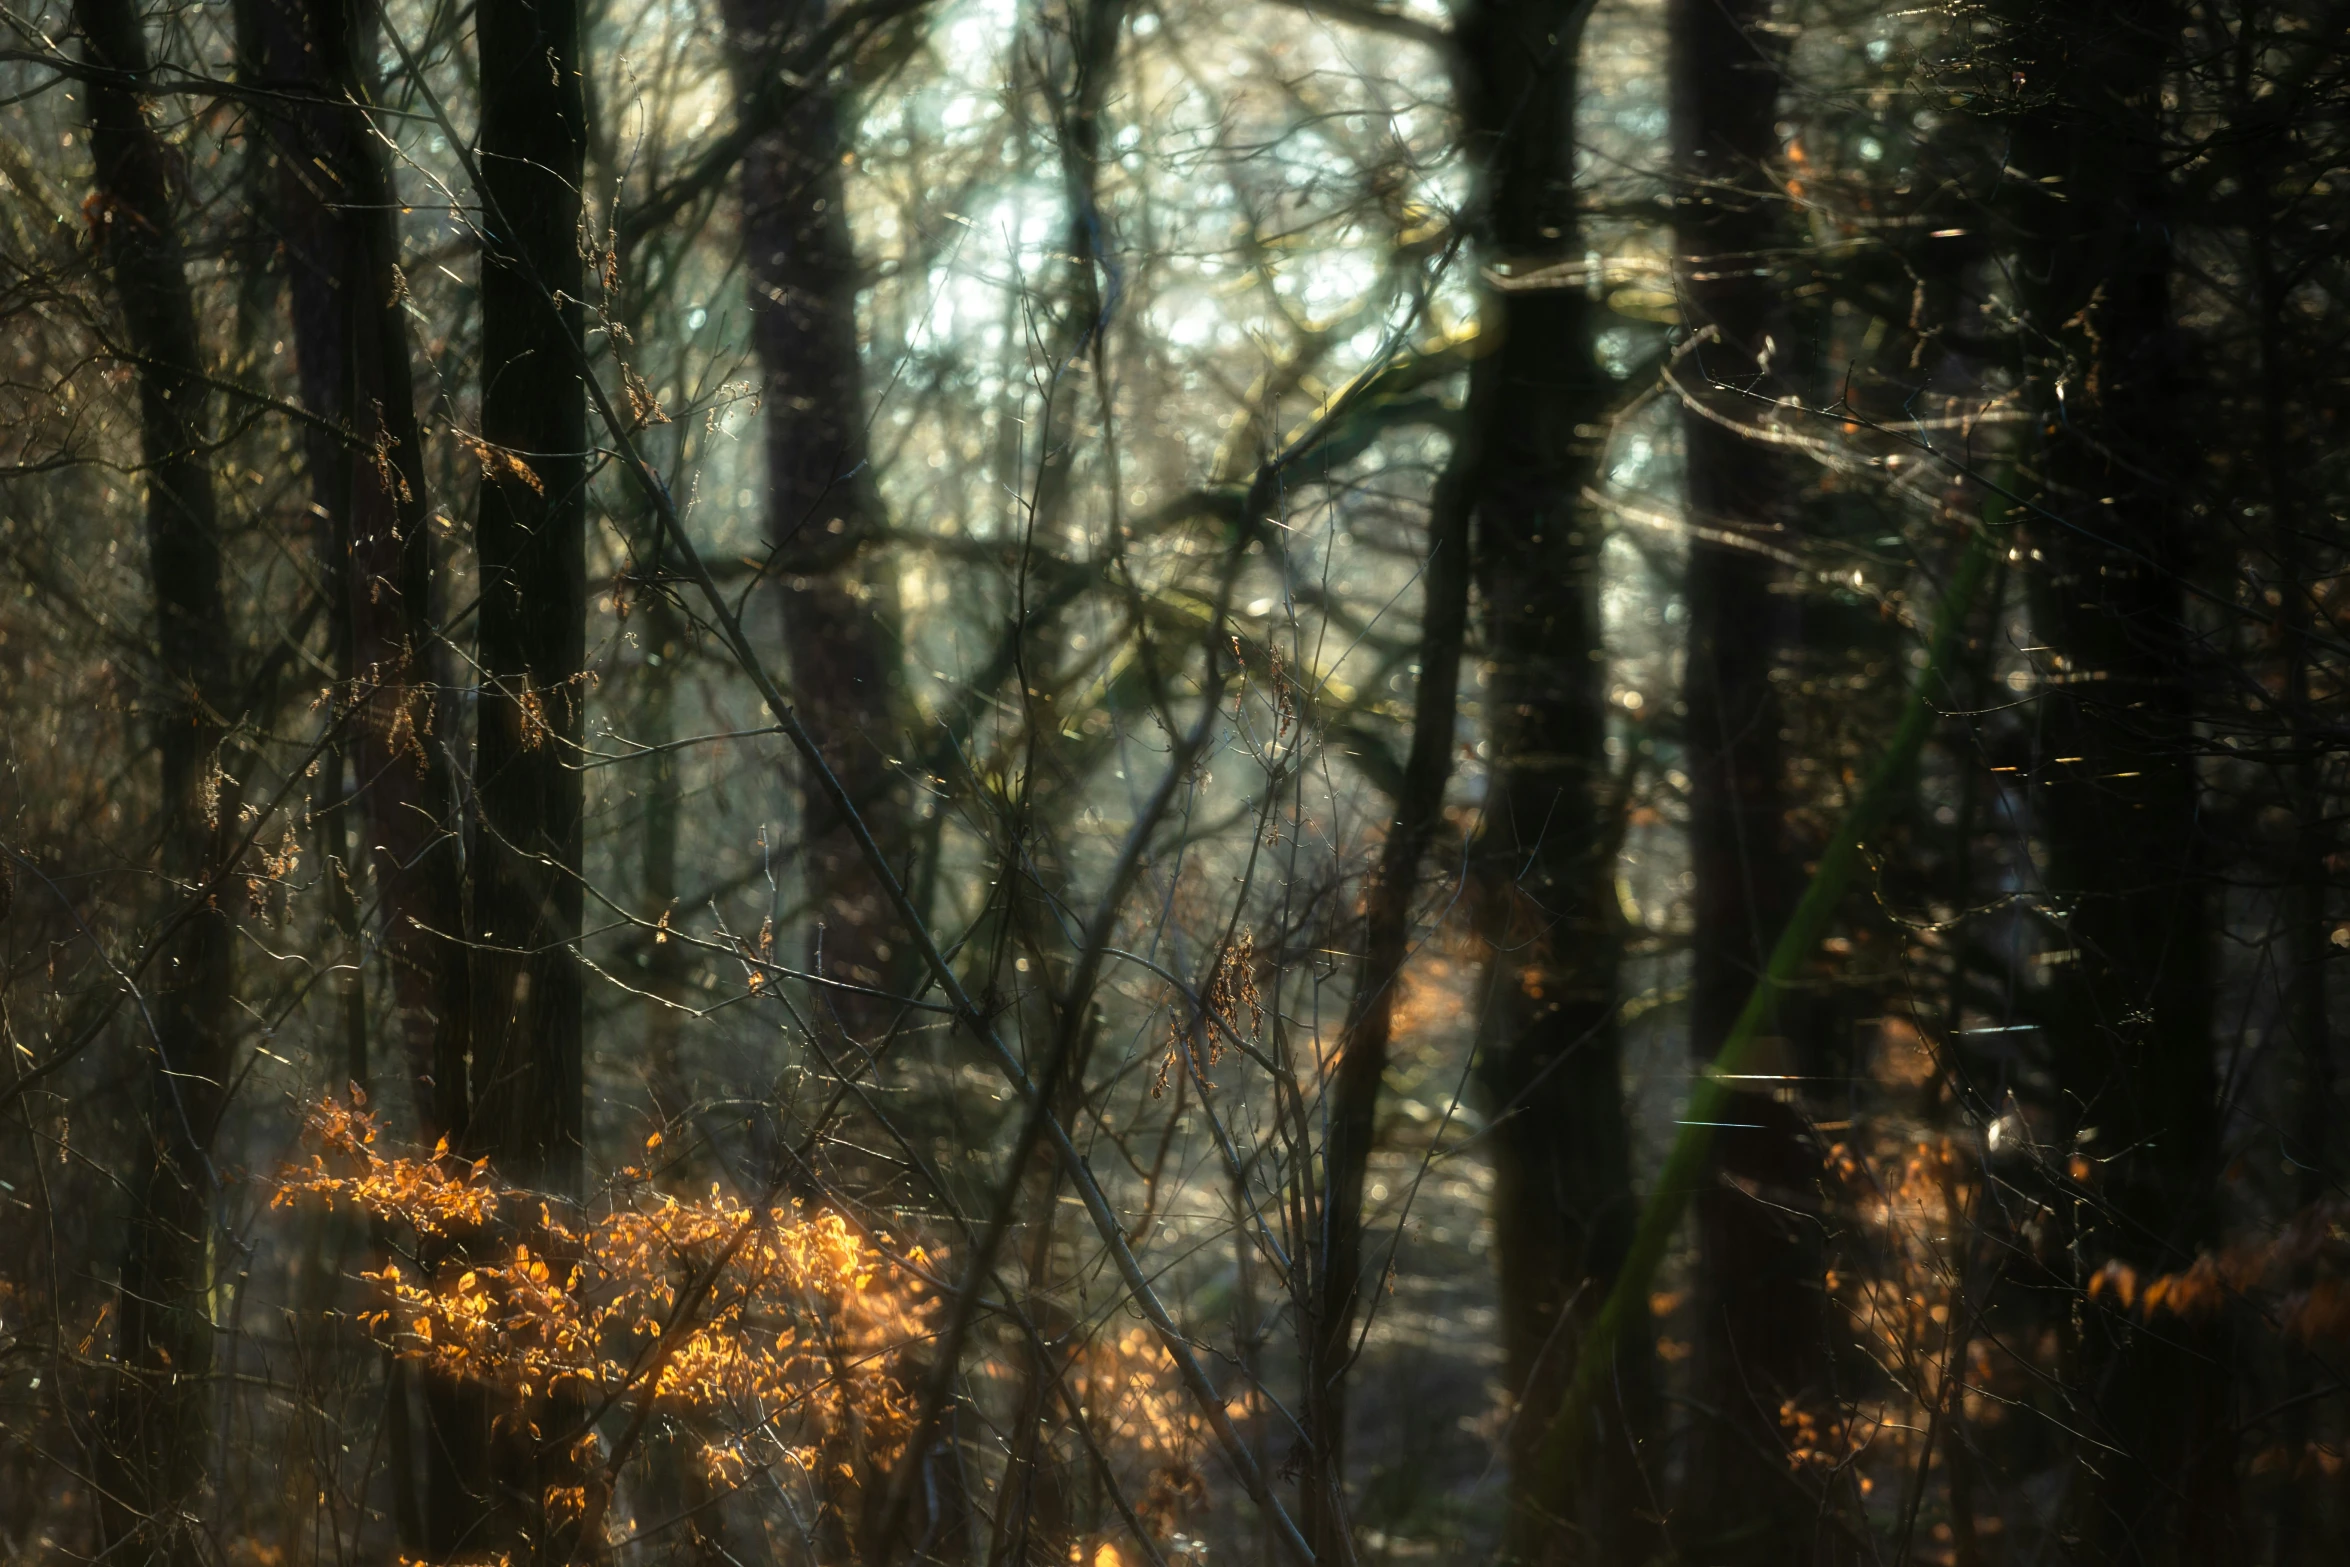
{"points": [[1148, 783]]}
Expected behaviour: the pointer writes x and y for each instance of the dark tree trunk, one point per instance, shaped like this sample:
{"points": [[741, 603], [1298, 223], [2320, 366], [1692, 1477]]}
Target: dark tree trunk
{"points": [[2115, 794], [528, 1101], [824, 521], [1759, 1302], [528, 1105], [157, 1431], [339, 209], [1353, 1094], [841, 640], [2284, 366], [333, 194], [1548, 1046]]}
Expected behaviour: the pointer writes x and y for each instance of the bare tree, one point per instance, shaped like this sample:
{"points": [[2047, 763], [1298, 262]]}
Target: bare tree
{"points": [[155, 1440], [824, 513], [523, 864], [1760, 1311], [2115, 788], [1547, 1036]]}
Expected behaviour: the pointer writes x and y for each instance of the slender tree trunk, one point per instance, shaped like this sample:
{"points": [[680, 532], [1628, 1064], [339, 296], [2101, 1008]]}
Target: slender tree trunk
{"points": [[2116, 793], [528, 1107], [1352, 1098], [1760, 1320], [157, 1431], [1076, 360], [2306, 914], [1034, 1517], [676, 1483], [1548, 1045], [528, 1102], [824, 516], [824, 522], [665, 637], [1071, 70]]}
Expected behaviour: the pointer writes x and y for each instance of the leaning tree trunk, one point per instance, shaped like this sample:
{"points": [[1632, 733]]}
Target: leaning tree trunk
{"points": [[157, 1432], [1761, 1325], [528, 1098], [2115, 794], [1353, 1095], [1543, 862]]}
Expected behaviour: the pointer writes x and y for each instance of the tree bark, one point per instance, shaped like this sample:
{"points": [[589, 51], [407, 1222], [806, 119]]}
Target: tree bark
{"points": [[528, 1101], [531, 535], [2285, 457], [336, 200], [339, 209], [1543, 861], [2115, 791], [824, 515], [156, 1432], [1353, 1093], [1759, 1304]]}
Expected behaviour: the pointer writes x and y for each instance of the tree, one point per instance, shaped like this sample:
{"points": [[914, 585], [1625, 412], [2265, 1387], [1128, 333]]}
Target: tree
{"points": [[154, 1448], [339, 210], [1876, 468], [524, 861], [824, 515], [1388, 932], [1547, 1038], [1761, 1333], [2115, 788]]}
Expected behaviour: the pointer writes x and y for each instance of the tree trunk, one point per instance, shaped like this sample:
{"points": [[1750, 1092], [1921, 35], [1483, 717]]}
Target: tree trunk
{"points": [[824, 516], [1076, 362], [528, 1105], [337, 204], [528, 1099], [1548, 1046], [1759, 1302], [667, 644], [1353, 1094], [157, 1431], [2284, 364], [2115, 788], [339, 210]]}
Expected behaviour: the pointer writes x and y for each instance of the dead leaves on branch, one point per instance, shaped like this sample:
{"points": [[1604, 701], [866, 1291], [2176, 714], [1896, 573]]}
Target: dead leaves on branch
{"points": [[771, 1330], [439, 1197], [1137, 1398], [1232, 992], [777, 1335], [2301, 1274], [498, 462]]}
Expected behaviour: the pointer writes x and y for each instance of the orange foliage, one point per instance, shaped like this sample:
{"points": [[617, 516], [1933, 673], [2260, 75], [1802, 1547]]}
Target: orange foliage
{"points": [[1914, 1201], [1911, 1203], [764, 1326], [2305, 1266]]}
